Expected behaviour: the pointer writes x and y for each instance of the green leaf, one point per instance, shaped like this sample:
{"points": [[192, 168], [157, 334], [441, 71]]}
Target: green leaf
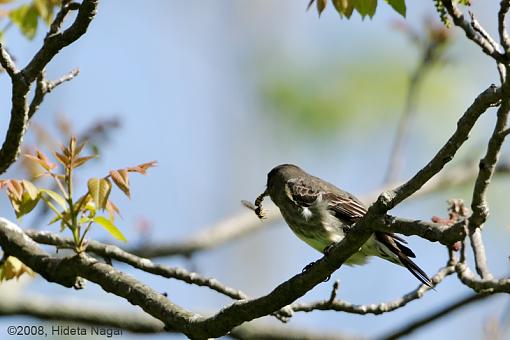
{"points": [[110, 227], [365, 7], [25, 17], [31, 189], [56, 197], [44, 9], [399, 6], [344, 7], [99, 190], [26, 205]]}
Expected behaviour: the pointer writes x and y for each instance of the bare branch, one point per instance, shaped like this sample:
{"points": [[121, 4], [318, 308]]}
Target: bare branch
{"points": [[434, 232], [65, 271], [385, 307], [435, 315], [44, 86], [471, 34], [47, 309], [55, 42], [7, 62], [66, 7], [479, 28], [479, 204], [503, 33], [390, 199], [481, 285], [114, 252], [22, 80]]}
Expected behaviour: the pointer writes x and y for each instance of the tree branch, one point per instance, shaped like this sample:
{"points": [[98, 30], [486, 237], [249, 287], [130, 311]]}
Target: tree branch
{"points": [[434, 316], [55, 42], [44, 86], [503, 33], [376, 309], [471, 34], [22, 80], [390, 199], [481, 285], [114, 252]]}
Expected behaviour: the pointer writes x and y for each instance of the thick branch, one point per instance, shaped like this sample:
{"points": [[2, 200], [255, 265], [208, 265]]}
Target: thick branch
{"points": [[65, 271], [55, 42]]}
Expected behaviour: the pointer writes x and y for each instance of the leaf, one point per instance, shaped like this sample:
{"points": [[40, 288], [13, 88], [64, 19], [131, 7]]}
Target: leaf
{"points": [[365, 7], [399, 6], [25, 17], [26, 205], [110, 227], [142, 168], [14, 189], [99, 190], [56, 197], [31, 189], [82, 160], [112, 210], [14, 268], [344, 7], [55, 219], [42, 160], [62, 158], [321, 5], [121, 180], [45, 9]]}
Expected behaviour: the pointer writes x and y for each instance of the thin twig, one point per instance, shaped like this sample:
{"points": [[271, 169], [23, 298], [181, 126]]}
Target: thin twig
{"points": [[408, 328], [376, 309], [115, 253], [44, 86]]}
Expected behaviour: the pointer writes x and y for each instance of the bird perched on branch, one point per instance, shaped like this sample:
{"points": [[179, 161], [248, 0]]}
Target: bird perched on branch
{"points": [[320, 214]]}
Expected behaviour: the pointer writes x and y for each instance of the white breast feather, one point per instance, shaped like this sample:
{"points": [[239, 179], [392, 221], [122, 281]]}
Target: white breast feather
{"points": [[306, 213]]}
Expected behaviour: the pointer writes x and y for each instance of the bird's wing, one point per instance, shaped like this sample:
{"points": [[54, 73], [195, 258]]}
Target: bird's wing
{"points": [[343, 205], [403, 253], [301, 192]]}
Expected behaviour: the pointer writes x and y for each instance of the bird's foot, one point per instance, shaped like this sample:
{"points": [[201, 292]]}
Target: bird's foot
{"points": [[308, 266], [328, 249]]}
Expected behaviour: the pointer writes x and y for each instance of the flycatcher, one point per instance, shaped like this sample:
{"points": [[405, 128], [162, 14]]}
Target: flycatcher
{"points": [[319, 213]]}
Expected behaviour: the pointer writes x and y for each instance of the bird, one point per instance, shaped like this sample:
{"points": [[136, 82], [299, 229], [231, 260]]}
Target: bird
{"points": [[321, 214]]}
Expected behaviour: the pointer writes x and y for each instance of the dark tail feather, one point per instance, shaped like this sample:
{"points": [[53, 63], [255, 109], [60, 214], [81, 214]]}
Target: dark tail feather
{"points": [[415, 270]]}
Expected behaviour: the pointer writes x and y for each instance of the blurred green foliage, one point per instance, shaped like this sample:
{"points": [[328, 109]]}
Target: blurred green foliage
{"points": [[26, 16], [325, 99]]}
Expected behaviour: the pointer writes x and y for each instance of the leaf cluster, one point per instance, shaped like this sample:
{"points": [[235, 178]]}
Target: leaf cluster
{"points": [[364, 7], [76, 214], [26, 17]]}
